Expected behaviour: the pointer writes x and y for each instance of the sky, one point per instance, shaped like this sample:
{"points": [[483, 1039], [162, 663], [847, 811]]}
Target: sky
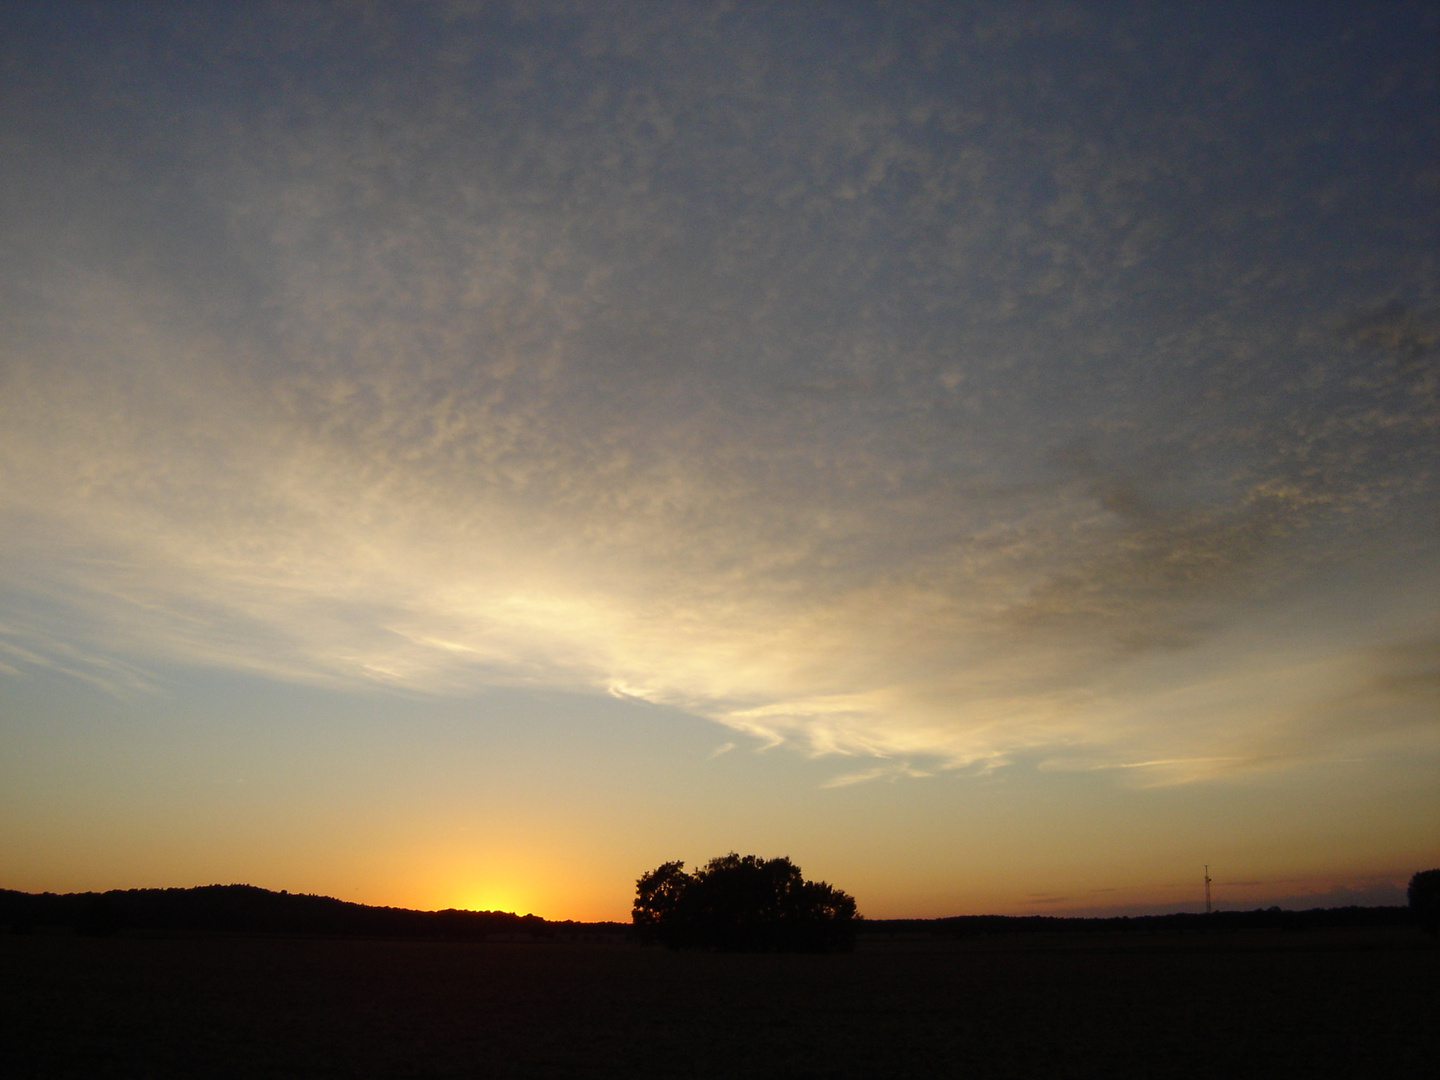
{"points": [[467, 454]]}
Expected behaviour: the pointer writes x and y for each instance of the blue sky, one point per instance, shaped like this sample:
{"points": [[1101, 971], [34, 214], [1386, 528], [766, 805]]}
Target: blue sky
{"points": [[984, 452]]}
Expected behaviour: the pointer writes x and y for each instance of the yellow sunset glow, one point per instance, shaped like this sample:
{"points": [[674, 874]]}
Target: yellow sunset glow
{"points": [[945, 445]]}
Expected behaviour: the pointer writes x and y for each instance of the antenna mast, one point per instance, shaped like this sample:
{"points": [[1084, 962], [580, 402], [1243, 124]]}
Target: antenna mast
{"points": [[1207, 888]]}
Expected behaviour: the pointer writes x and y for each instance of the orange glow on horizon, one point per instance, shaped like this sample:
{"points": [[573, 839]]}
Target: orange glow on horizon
{"points": [[493, 898], [495, 880]]}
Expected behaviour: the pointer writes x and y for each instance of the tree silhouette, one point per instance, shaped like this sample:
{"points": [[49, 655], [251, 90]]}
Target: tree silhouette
{"points": [[1424, 897], [658, 895], [742, 903]]}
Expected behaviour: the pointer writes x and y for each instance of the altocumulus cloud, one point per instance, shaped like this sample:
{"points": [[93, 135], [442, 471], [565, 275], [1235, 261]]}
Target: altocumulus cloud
{"points": [[939, 387]]}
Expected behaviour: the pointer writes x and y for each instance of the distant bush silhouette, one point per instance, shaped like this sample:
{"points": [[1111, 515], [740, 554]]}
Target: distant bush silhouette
{"points": [[1424, 897], [742, 903]]}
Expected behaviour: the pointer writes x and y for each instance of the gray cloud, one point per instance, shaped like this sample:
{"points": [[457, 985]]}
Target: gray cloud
{"points": [[891, 383]]}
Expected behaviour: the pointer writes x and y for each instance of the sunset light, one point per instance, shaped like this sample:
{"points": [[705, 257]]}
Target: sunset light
{"points": [[464, 455]]}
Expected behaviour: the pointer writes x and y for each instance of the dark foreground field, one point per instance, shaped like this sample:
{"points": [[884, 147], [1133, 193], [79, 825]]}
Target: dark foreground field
{"points": [[1349, 1003]]}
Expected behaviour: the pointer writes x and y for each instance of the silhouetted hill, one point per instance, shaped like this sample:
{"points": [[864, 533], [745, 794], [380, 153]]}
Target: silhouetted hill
{"points": [[1273, 918], [245, 909]]}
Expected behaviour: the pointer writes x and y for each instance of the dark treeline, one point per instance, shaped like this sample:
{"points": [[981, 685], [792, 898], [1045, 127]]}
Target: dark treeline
{"points": [[1260, 919], [245, 909]]}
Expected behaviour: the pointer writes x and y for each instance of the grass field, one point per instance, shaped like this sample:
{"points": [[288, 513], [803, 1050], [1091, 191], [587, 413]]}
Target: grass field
{"points": [[1351, 1003]]}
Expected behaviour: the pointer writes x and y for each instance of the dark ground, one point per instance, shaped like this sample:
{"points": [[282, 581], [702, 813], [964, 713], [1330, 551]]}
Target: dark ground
{"points": [[1352, 1003]]}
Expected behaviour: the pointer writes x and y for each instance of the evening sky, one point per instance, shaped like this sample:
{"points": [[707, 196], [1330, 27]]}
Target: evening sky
{"points": [[467, 454]]}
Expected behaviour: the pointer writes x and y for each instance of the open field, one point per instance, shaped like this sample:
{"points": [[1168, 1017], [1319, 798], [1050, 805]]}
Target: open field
{"points": [[1319, 1003]]}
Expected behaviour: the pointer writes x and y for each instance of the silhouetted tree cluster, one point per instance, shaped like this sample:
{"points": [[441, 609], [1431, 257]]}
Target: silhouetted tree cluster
{"points": [[742, 903], [1424, 897]]}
